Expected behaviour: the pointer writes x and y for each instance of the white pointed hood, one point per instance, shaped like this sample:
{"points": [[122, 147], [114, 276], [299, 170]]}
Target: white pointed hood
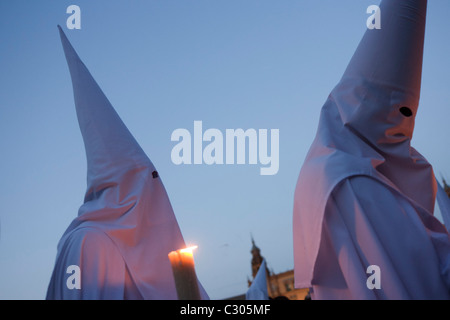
{"points": [[258, 288], [366, 126], [125, 197]]}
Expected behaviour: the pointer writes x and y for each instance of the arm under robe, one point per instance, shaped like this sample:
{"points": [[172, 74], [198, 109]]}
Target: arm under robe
{"points": [[103, 272]]}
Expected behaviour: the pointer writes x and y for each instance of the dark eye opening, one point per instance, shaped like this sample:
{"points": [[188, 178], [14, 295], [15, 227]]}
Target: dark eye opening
{"points": [[406, 111]]}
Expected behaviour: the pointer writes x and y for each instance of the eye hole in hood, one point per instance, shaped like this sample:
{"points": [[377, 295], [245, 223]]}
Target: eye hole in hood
{"points": [[406, 111]]}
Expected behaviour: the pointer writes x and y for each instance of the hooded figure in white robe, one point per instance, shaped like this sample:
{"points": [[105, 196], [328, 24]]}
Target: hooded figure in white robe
{"points": [[126, 227], [363, 221]]}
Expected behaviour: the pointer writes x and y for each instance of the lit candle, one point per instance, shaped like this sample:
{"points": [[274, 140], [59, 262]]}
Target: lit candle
{"points": [[184, 273]]}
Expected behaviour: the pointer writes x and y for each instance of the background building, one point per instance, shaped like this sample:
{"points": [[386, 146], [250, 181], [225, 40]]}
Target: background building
{"points": [[279, 285]]}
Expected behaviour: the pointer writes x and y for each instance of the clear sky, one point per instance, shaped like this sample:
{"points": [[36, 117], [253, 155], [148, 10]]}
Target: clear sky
{"points": [[258, 64]]}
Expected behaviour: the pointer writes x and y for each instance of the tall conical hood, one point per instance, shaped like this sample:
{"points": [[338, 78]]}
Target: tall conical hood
{"points": [[378, 95], [110, 147], [125, 198], [393, 54], [382, 81]]}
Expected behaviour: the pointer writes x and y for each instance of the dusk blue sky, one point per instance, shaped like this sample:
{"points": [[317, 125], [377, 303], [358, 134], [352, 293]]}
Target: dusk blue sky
{"points": [[232, 64]]}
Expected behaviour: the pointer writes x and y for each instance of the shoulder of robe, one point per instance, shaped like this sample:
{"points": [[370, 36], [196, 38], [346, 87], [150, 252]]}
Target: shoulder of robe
{"points": [[372, 193], [367, 187], [92, 241]]}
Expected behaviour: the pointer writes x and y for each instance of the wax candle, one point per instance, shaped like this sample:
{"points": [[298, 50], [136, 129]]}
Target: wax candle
{"points": [[183, 268]]}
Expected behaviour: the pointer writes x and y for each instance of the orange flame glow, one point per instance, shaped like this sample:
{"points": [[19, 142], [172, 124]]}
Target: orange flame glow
{"points": [[189, 249]]}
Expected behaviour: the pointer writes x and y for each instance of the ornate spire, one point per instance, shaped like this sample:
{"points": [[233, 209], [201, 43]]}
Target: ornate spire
{"points": [[256, 258]]}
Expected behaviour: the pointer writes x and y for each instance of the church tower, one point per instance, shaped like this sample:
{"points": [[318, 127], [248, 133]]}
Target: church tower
{"points": [[256, 259]]}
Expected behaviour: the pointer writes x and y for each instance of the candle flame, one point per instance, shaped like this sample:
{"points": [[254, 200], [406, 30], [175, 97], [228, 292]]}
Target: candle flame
{"points": [[189, 249]]}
